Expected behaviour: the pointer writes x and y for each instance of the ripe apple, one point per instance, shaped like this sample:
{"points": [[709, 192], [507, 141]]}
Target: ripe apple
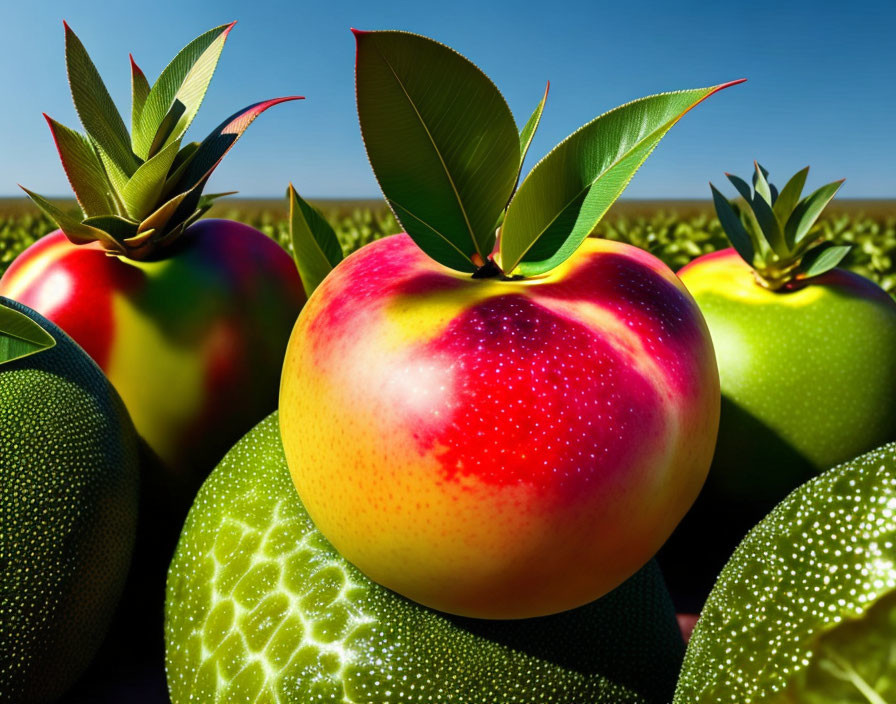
{"points": [[192, 342], [499, 448]]}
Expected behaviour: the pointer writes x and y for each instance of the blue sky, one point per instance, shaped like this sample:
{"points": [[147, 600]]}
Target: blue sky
{"points": [[821, 88]]}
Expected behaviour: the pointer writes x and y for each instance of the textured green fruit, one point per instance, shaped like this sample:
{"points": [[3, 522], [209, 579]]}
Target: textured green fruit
{"points": [[260, 608], [805, 610], [68, 498]]}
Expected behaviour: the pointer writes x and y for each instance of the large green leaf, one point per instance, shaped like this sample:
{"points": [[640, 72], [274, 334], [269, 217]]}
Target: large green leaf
{"points": [[94, 105], [184, 80], [441, 140], [21, 336], [568, 191], [143, 190], [84, 170], [316, 248], [139, 92]]}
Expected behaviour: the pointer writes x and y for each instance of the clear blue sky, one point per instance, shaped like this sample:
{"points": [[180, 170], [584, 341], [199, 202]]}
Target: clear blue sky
{"points": [[821, 89]]}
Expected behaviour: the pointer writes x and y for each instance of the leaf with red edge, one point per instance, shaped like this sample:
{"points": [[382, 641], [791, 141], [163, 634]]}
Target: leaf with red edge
{"points": [[213, 148], [139, 91], [83, 168], [568, 192]]}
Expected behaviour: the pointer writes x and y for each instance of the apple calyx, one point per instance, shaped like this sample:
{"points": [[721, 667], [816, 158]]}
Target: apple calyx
{"points": [[139, 190], [775, 233]]}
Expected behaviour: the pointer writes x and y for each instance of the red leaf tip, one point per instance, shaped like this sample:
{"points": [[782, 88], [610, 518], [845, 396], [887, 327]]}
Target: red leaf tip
{"points": [[359, 32], [229, 27]]}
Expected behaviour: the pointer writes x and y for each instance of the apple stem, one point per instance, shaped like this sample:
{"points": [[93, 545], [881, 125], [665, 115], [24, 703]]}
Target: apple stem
{"points": [[488, 270]]}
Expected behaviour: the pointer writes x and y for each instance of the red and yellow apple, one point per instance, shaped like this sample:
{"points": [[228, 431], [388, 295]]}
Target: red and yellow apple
{"points": [[499, 448], [192, 342]]}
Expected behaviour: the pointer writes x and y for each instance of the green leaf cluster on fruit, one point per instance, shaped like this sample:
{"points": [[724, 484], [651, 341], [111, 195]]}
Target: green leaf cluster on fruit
{"points": [[775, 232], [447, 153], [138, 192]]}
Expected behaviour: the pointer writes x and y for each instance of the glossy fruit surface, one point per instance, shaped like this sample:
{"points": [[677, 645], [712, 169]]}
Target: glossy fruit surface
{"points": [[68, 510], [260, 607], [192, 342], [808, 380], [809, 370], [805, 609], [499, 448]]}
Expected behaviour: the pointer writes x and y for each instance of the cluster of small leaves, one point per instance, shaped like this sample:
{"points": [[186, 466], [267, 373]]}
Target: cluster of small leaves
{"points": [[774, 232], [139, 190]]}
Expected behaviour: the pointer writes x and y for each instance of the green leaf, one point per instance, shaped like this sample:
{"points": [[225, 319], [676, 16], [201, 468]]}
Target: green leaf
{"points": [[822, 259], [806, 213], [760, 183], [568, 191], [139, 91], [742, 187], [117, 227], [441, 140], [734, 229], [206, 157], [316, 248], [76, 231], [854, 662], [95, 108], [143, 190], [790, 196], [768, 223], [166, 128], [528, 131], [185, 80], [21, 336], [83, 168]]}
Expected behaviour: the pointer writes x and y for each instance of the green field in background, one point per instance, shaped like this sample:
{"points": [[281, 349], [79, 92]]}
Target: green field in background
{"points": [[675, 231]]}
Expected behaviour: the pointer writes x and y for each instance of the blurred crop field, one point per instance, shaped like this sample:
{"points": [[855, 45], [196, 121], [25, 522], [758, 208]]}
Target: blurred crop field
{"points": [[675, 231]]}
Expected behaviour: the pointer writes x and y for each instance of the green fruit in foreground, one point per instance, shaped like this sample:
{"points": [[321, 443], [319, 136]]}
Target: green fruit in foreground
{"points": [[805, 611], [68, 511], [260, 608]]}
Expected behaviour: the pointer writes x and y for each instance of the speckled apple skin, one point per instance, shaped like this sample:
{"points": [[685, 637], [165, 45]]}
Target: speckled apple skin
{"points": [[499, 449]]}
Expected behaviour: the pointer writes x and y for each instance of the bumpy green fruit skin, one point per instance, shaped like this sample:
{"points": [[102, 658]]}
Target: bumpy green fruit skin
{"points": [[825, 555], [68, 511], [808, 380], [261, 608]]}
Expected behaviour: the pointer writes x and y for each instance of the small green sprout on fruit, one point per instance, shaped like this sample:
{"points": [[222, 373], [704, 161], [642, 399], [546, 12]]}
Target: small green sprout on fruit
{"points": [[138, 192], [775, 232]]}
